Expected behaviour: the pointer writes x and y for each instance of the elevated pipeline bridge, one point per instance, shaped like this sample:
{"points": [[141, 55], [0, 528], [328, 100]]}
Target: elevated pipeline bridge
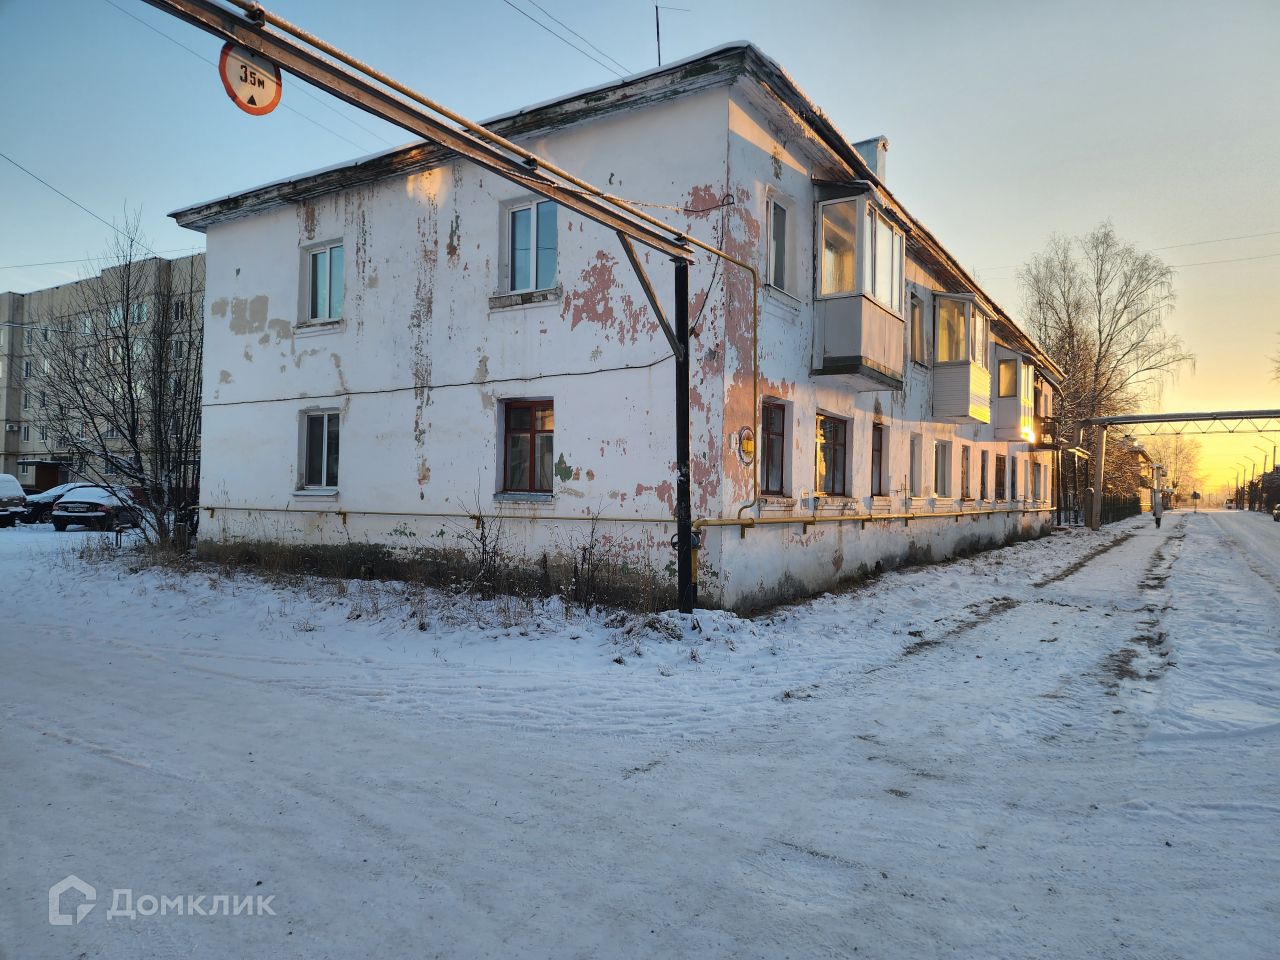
{"points": [[1171, 424]]}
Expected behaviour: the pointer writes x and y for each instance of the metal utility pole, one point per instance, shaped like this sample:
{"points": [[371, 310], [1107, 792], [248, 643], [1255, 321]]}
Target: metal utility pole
{"points": [[377, 93], [1099, 459]]}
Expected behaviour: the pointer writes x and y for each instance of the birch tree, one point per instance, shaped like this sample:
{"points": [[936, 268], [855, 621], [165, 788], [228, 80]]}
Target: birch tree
{"points": [[119, 358], [1098, 305]]}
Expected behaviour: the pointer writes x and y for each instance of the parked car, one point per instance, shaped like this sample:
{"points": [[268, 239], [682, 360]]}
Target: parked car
{"points": [[39, 505], [13, 502], [96, 507], [1275, 513]]}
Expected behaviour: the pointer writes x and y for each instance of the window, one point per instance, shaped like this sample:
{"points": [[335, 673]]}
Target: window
{"points": [[839, 264], [24, 469], [44, 434], [950, 331], [138, 313], [1001, 468], [26, 434], [1008, 377], [942, 468], [919, 342], [320, 451], [884, 260], [179, 311], [44, 399], [961, 333], [773, 426], [86, 324], [983, 462], [84, 431], [877, 460], [178, 349], [1013, 478], [830, 469], [779, 244], [965, 490], [917, 455], [325, 285], [26, 401], [1035, 482], [978, 342], [26, 368], [531, 246], [528, 445], [109, 433]]}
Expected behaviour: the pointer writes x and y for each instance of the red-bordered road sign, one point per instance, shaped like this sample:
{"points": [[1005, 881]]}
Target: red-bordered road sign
{"points": [[250, 80]]}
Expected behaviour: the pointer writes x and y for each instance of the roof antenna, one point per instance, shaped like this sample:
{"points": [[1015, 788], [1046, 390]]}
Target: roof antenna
{"points": [[657, 25]]}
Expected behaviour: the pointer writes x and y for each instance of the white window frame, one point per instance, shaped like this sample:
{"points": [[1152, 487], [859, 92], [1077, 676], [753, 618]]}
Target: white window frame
{"points": [[24, 469], [977, 330], [874, 221], [787, 283], [942, 469], [304, 420], [509, 210], [308, 293], [26, 433], [870, 219], [915, 478]]}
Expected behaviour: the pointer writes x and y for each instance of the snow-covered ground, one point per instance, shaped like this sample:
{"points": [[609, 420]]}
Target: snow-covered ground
{"points": [[1066, 749]]}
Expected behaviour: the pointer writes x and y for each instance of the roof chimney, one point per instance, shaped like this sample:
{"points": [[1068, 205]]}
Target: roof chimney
{"points": [[873, 152]]}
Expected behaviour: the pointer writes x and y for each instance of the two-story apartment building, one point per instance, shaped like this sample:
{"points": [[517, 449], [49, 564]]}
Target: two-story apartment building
{"points": [[405, 341]]}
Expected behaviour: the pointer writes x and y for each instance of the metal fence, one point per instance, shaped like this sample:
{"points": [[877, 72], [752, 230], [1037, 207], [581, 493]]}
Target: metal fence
{"points": [[1118, 508]]}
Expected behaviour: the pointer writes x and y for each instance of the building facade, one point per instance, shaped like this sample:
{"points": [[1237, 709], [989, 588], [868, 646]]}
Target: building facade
{"points": [[403, 343], [62, 347]]}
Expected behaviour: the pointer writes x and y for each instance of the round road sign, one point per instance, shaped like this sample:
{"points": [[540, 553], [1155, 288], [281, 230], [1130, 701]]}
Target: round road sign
{"points": [[250, 80]]}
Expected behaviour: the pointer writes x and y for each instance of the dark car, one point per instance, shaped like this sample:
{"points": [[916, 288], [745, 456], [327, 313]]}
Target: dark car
{"points": [[39, 504], [98, 508]]}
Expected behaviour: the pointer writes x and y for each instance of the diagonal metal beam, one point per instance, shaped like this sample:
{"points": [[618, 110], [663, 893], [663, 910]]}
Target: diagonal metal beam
{"points": [[652, 296], [363, 93]]}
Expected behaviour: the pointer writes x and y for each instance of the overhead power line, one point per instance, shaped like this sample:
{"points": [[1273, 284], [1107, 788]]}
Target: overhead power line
{"points": [[1197, 243], [56, 263], [1175, 246], [306, 92], [77, 203], [562, 38], [579, 36]]}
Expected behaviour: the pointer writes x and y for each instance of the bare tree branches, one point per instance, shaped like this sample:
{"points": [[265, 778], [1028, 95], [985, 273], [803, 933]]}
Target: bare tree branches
{"points": [[1098, 305], [119, 359]]}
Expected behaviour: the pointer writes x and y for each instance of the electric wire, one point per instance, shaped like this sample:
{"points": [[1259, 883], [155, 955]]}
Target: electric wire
{"points": [[306, 92], [55, 263], [76, 203], [579, 36], [533, 19], [442, 386]]}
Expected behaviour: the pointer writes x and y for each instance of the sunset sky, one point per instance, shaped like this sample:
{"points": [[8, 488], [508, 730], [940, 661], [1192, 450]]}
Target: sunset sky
{"points": [[1007, 121]]}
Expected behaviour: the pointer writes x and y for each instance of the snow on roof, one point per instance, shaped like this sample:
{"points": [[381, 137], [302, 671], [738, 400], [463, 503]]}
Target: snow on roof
{"points": [[491, 121], [630, 78]]}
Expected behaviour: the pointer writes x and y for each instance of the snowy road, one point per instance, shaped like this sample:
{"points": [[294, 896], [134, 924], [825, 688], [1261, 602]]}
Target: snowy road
{"points": [[1066, 749]]}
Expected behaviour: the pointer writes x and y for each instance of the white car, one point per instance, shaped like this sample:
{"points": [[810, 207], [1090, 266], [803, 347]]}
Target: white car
{"points": [[96, 507], [13, 500]]}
